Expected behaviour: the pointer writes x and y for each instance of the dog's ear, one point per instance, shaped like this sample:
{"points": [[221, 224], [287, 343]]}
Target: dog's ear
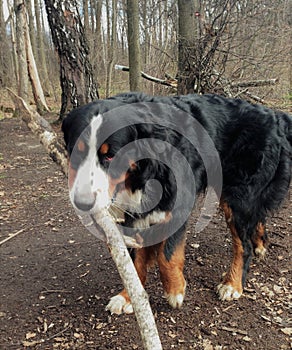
{"points": [[77, 121], [153, 138]]}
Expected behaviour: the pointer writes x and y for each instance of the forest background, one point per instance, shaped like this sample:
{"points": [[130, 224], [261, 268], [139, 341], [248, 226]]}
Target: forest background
{"points": [[236, 48]]}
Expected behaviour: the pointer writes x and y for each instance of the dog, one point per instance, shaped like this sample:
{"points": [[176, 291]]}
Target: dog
{"points": [[252, 143]]}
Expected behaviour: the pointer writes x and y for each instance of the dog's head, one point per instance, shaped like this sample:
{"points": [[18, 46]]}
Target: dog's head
{"points": [[112, 159]]}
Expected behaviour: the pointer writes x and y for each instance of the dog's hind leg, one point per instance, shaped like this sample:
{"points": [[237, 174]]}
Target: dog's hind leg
{"points": [[171, 273], [232, 284], [121, 302], [260, 241]]}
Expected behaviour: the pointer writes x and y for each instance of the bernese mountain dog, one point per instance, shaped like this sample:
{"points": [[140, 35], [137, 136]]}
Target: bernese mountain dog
{"points": [[166, 151]]}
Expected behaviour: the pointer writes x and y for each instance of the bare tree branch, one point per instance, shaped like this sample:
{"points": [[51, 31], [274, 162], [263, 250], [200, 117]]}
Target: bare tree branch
{"points": [[115, 240], [254, 83], [167, 82], [39, 126]]}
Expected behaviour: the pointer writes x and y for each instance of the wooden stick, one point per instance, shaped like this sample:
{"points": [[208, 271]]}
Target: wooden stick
{"points": [[11, 236], [40, 127], [131, 281], [115, 240]]}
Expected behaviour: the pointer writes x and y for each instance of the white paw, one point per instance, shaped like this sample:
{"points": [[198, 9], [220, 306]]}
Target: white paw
{"points": [[175, 300], [118, 305], [260, 252], [227, 292]]}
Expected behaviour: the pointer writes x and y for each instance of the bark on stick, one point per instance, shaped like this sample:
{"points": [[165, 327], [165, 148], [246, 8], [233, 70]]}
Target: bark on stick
{"points": [[131, 281]]}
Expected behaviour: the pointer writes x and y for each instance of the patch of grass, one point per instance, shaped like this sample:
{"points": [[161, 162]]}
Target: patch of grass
{"points": [[44, 196], [289, 96]]}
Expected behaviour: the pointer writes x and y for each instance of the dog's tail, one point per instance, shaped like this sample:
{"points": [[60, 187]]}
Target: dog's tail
{"points": [[286, 129], [285, 122]]}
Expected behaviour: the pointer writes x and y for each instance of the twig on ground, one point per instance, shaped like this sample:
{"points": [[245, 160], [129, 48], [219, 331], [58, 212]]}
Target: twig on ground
{"points": [[12, 236]]}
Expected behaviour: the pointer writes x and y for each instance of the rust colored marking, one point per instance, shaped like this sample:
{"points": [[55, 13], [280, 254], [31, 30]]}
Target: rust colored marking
{"points": [[234, 275], [258, 237], [114, 182], [71, 175], [81, 146], [171, 271], [132, 164], [227, 212], [124, 294], [168, 216], [104, 148], [144, 258]]}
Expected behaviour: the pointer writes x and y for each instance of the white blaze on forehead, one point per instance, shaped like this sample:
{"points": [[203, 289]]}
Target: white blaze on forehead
{"points": [[91, 183]]}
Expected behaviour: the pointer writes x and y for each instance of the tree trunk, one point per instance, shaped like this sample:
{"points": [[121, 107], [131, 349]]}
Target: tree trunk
{"points": [[76, 76], [14, 47], [134, 45], [37, 89], [42, 50], [32, 29], [86, 18], [111, 47], [186, 46], [5, 54], [20, 15], [97, 58]]}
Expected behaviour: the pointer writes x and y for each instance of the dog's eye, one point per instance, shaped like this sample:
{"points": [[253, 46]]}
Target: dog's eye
{"points": [[108, 158]]}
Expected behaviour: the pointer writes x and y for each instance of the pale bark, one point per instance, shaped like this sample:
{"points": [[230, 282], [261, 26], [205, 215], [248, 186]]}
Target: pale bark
{"points": [[32, 29], [42, 50], [131, 281], [37, 89], [111, 47], [40, 127], [115, 241], [20, 17]]}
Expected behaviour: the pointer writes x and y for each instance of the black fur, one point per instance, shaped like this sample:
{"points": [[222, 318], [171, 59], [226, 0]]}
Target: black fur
{"points": [[254, 144]]}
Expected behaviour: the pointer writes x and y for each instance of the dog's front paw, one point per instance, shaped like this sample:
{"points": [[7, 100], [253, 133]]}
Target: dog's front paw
{"points": [[175, 300], [118, 305], [228, 292], [260, 252]]}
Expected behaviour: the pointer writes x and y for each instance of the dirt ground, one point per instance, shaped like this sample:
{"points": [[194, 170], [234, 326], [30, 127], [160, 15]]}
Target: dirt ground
{"points": [[56, 278]]}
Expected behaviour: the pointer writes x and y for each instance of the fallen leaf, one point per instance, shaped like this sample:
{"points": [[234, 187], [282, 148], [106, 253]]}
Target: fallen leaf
{"points": [[172, 335], [31, 343], [277, 289], [30, 335], [287, 331], [246, 338], [60, 339], [78, 335]]}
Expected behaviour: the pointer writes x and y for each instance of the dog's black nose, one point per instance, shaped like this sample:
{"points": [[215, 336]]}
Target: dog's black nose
{"points": [[84, 205]]}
